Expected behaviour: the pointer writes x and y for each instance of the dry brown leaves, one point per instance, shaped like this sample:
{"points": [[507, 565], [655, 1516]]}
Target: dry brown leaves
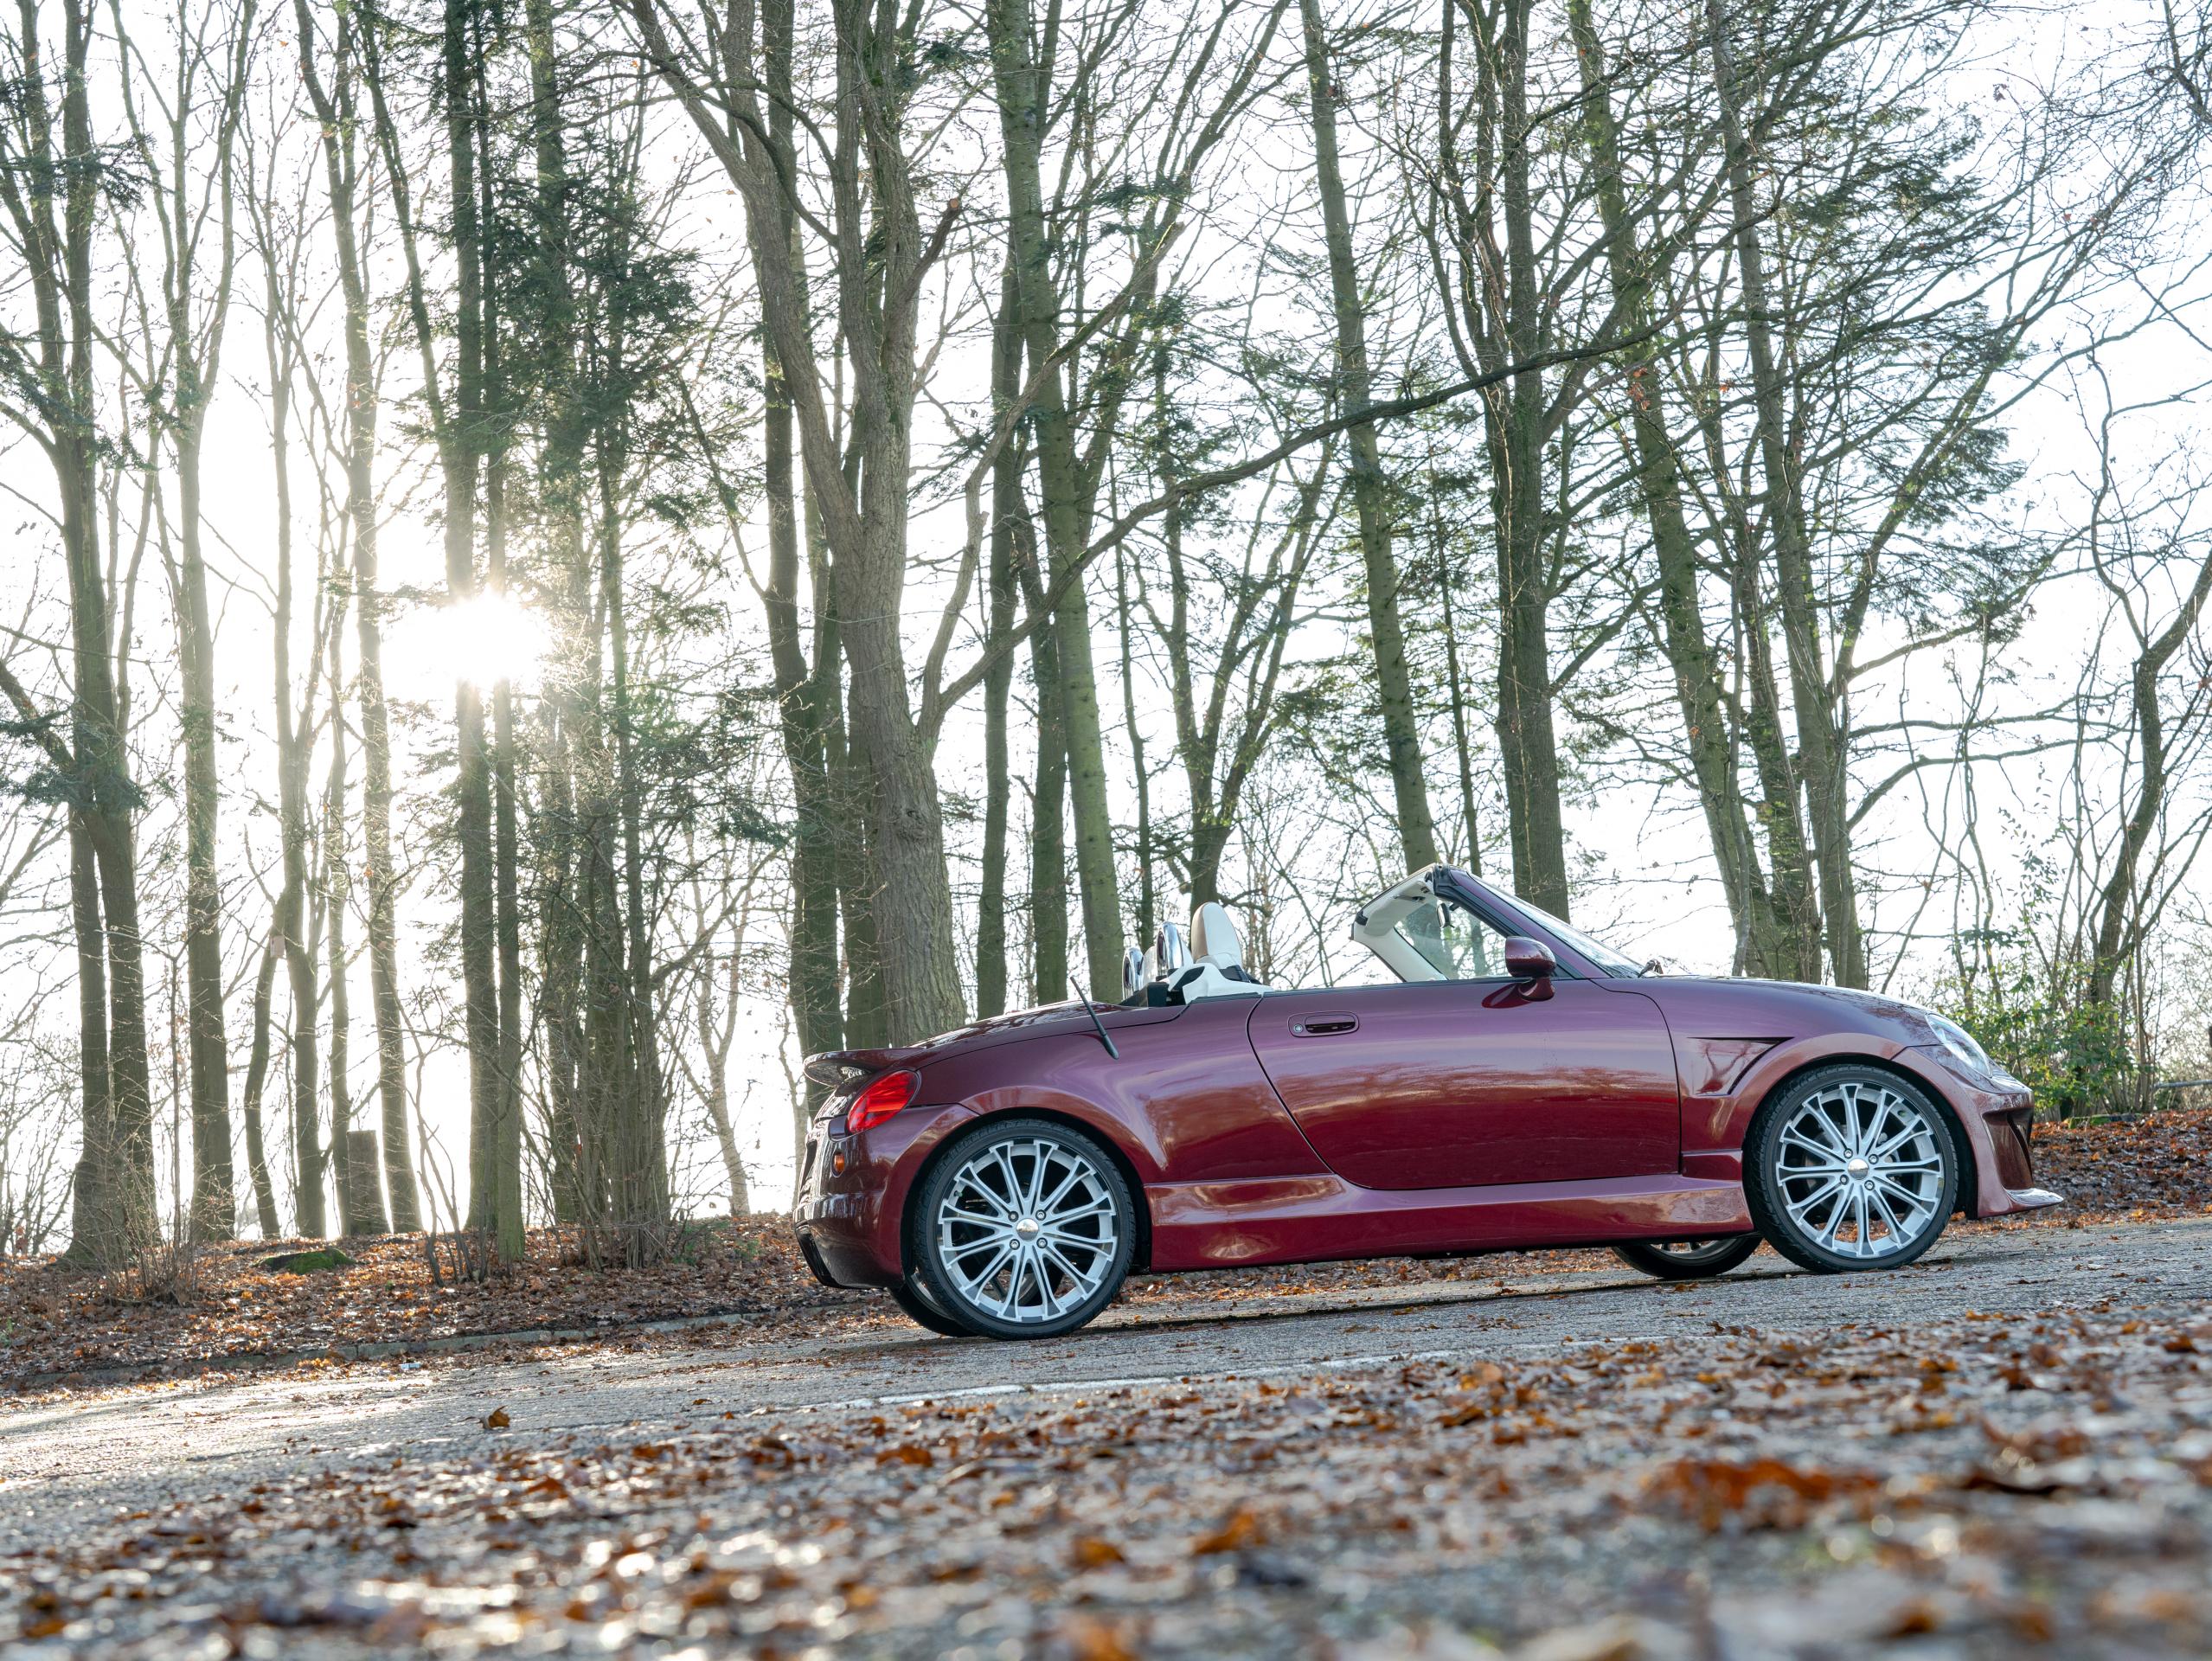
{"points": [[52, 1322], [2160, 1166], [2030, 1485]]}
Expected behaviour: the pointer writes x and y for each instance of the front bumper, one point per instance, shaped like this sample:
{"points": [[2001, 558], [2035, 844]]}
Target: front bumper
{"points": [[1998, 1123], [848, 1223]]}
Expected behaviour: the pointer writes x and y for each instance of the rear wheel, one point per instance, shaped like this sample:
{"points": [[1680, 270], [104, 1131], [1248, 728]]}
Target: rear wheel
{"points": [[1687, 1260], [1850, 1168], [1023, 1230], [913, 1296]]}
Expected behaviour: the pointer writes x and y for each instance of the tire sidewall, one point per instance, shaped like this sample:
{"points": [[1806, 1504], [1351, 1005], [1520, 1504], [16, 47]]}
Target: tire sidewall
{"points": [[1763, 1194], [929, 1193], [1646, 1259], [919, 1300]]}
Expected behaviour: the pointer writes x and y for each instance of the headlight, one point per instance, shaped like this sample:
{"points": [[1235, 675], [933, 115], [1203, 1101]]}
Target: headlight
{"points": [[1960, 1045]]}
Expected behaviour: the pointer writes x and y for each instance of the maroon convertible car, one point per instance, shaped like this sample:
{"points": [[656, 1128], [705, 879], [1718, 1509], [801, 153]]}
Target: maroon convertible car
{"points": [[1521, 1086]]}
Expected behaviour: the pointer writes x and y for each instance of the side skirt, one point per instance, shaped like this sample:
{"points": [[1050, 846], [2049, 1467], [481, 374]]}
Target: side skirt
{"points": [[1323, 1218]]}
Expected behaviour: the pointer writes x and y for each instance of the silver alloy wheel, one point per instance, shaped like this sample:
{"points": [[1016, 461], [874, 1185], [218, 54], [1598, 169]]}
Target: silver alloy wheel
{"points": [[1026, 1230], [1859, 1169]]}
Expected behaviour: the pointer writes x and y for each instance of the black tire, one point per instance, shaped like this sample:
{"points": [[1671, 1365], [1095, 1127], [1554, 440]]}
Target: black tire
{"points": [[1689, 1259], [1001, 1272], [1806, 1187], [913, 1296]]}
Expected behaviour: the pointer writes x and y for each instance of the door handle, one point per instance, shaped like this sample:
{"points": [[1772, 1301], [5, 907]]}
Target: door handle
{"points": [[1323, 1026]]}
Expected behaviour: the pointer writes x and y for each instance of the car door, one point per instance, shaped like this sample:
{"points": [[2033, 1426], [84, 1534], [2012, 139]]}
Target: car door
{"points": [[1463, 1083]]}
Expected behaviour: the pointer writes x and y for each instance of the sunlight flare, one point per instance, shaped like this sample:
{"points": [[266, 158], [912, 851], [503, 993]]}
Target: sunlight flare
{"points": [[483, 640]]}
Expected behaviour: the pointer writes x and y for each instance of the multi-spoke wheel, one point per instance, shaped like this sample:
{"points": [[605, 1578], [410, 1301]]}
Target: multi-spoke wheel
{"points": [[1687, 1260], [1850, 1168], [1023, 1230]]}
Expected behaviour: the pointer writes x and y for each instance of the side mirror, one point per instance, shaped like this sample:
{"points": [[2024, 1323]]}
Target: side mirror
{"points": [[1530, 962]]}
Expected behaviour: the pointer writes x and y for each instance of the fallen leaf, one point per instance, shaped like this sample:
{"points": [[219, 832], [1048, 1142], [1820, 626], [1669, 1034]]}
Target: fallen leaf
{"points": [[1240, 1532], [497, 1420], [1083, 1639], [1087, 1551], [1764, 1494]]}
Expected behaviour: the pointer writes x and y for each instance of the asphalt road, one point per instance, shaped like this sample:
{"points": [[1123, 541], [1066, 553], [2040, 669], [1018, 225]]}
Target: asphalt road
{"points": [[70, 1460]]}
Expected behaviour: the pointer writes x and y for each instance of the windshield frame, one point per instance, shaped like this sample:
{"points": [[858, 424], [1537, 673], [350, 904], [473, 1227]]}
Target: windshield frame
{"points": [[1590, 956]]}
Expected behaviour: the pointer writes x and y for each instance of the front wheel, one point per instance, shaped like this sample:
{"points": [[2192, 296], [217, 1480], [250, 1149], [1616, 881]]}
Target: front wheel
{"points": [[1023, 1230], [1850, 1167], [1687, 1260]]}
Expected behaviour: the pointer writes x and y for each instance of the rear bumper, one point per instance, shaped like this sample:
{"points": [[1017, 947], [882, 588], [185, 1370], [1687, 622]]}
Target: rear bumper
{"points": [[848, 1223]]}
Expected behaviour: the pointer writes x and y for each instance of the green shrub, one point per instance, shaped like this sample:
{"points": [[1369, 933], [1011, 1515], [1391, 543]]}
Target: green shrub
{"points": [[2035, 1019]]}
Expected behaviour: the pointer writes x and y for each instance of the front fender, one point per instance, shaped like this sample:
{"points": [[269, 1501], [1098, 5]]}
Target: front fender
{"points": [[1999, 1180]]}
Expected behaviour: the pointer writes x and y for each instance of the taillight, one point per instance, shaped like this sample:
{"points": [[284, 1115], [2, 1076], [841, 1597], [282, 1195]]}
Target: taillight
{"points": [[882, 1098]]}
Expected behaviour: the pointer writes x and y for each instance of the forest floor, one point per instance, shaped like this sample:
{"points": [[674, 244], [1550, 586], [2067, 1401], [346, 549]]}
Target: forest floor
{"points": [[219, 1311]]}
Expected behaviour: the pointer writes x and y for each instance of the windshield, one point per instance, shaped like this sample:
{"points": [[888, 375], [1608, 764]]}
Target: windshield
{"points": [[1454, 941], [1606, 960]]}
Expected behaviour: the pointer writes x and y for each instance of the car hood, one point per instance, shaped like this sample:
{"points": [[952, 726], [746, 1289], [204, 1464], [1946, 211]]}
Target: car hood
{"points": [[1791, 1008]]}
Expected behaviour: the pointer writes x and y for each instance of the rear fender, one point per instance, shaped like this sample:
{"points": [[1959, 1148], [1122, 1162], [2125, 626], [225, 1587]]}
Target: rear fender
{"points": [[1093, 1123]]}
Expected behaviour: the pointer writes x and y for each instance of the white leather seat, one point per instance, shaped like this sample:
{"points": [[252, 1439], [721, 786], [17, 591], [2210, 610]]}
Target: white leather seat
{"points": [[1216, 959], [1214, 937]]}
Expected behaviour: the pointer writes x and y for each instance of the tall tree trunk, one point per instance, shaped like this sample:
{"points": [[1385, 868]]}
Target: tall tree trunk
{"points": [[212, 1214], [564, 872], [257, 1076], [93, 1195], [507, 1117], [1518, 411], [336, 115], [1370, 489], [1002, 587], [716, 1045], [118, 1106], [868, 1013], [195, 354], [1821, 751], [1147, 898], [460, 442], [2120, 920], [881, 264], [353, 1215], [1048, 801], [308, 1157], [1794, 952], [295, 750], [816, 1009], [1024, 91], [1455, 687], [1691, 654]]}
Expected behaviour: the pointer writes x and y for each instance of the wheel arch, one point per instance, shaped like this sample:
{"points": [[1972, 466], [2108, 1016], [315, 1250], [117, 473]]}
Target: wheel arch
{"points": [[1140, 1259], [1968, 1198]]}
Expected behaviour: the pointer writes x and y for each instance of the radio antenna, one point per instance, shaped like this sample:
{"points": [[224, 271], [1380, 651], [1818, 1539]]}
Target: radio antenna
{"points": [[1104, 1038]]}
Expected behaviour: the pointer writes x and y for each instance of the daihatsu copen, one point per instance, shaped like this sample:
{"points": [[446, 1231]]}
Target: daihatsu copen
{"points": [[1517, 1086]]}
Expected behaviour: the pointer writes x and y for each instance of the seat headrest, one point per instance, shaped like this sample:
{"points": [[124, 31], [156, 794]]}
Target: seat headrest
{"points": [[1214, 937]]}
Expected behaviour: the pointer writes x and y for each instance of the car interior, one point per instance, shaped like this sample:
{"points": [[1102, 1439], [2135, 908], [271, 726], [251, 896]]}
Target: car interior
{"points": [[1210, 965]]}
